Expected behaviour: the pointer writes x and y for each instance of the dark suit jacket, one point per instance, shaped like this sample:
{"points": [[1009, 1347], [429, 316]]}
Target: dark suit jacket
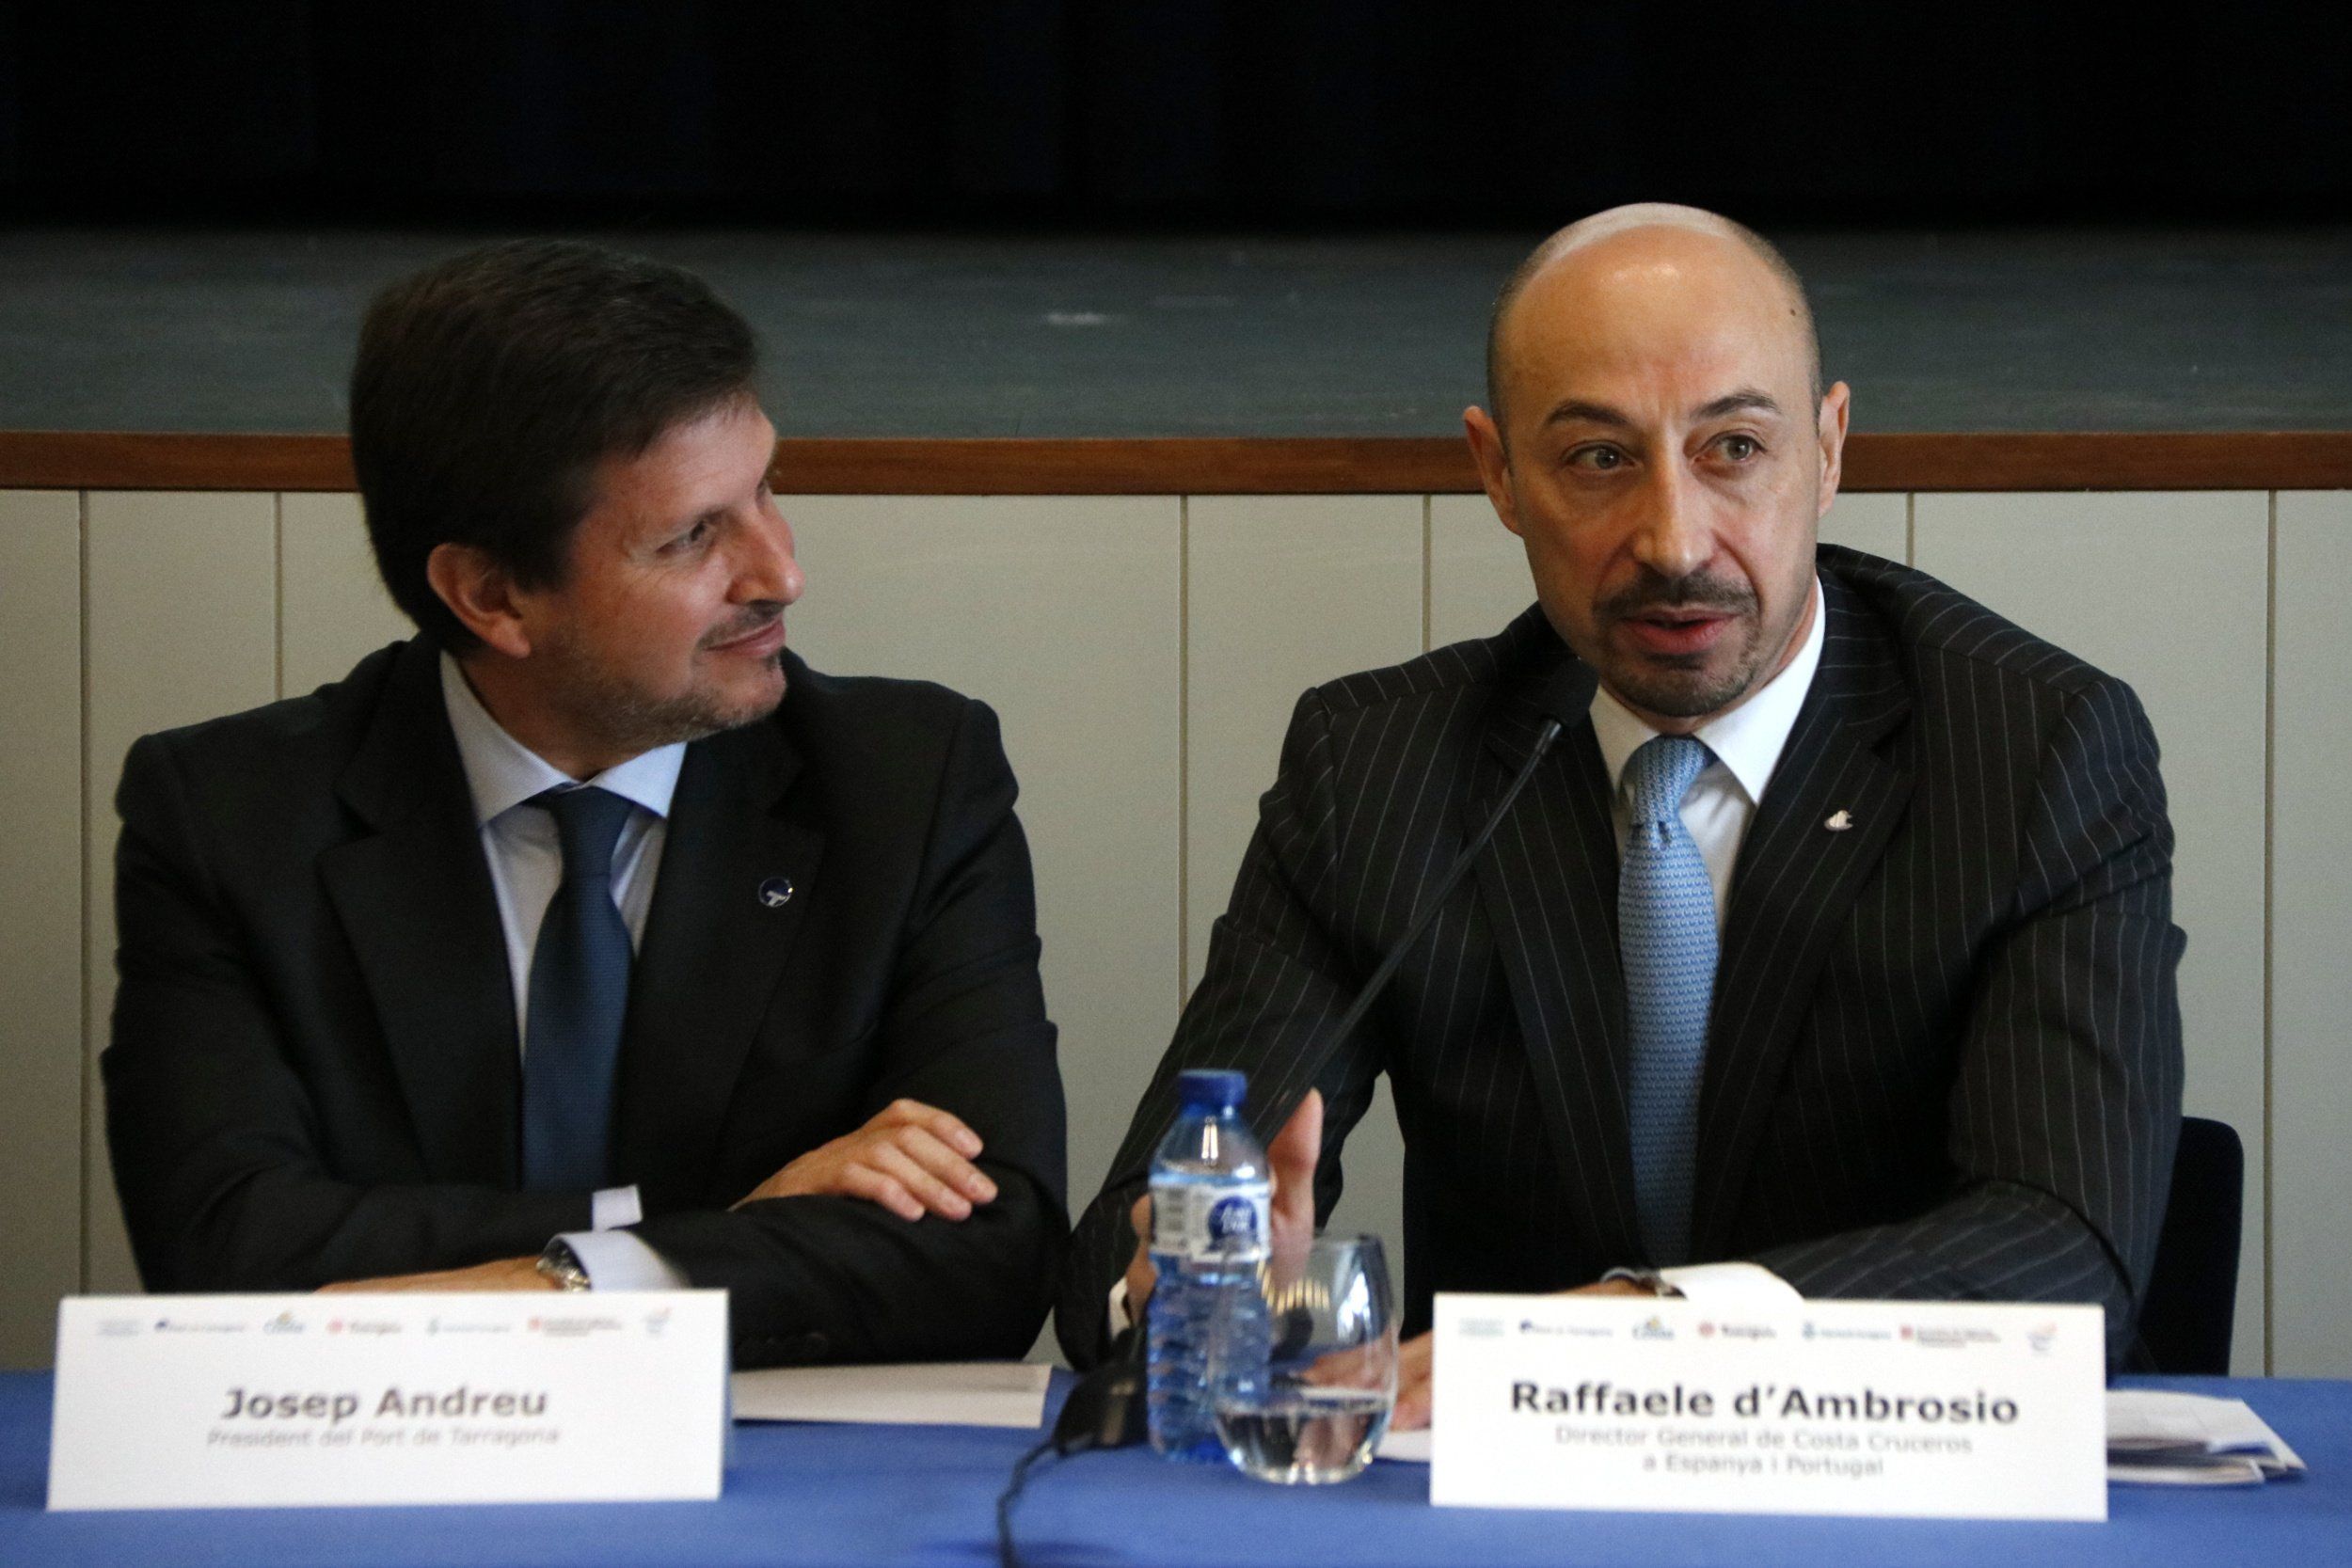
{"points": [[314, 1073], [1945, 1054]]}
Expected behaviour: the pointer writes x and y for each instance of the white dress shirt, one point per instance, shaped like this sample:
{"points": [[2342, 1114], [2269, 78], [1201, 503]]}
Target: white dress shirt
{"points": [[526, 861], [1745, 744]]}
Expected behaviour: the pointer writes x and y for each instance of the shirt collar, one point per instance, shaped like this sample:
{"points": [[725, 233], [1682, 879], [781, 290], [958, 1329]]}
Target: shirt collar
{"points": [[1748, 740], [502, 773]]}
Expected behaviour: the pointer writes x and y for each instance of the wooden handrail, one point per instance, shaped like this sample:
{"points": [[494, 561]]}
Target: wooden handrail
{"points": [[910, 466]]}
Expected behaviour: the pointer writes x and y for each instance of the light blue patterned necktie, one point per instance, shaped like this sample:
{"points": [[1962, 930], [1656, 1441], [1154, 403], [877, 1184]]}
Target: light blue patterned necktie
{"points": [[1666, 934]]}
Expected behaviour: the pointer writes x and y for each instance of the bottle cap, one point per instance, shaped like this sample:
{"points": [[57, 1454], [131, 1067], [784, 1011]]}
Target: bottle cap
{"points": [[1211, 1089]]}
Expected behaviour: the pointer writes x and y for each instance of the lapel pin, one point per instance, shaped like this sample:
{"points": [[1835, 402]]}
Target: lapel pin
{"points": [[1839, 821], [776, 893]]}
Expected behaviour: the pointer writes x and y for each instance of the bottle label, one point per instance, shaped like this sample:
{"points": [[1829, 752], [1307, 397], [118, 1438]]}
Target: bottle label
{"points": [[1200, 1223]]}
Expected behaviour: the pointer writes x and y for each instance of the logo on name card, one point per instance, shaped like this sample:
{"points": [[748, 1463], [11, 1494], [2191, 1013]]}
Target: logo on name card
{"points": [[285, 1322], [2041, 1338], [1653, 1328]]}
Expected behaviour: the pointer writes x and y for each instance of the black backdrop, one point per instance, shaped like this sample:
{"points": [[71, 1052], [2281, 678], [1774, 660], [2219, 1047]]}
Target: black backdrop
{"points": [[1275, 113]]}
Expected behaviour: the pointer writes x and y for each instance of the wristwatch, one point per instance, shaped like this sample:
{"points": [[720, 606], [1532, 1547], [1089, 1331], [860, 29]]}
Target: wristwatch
{"points": [[1649, 1279], [561, 1267]]}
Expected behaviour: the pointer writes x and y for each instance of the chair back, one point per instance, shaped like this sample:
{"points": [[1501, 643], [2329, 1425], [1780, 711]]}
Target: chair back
{"points": [[2186, 1316]]}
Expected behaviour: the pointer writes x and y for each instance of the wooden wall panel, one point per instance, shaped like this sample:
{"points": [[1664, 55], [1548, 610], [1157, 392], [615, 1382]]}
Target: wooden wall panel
{"points": [[2311, 933], [183, 626], [332, 607], [40, 907], [1062, 614], [2170, 593]]}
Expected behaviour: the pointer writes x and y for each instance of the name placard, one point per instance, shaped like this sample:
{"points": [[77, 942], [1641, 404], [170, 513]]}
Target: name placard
{"points": [[1968, 1411], [245, 1402]]}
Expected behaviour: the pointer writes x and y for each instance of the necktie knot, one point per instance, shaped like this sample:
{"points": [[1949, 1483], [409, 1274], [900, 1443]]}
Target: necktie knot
{"points": [[1658, 775], [588, 823]]}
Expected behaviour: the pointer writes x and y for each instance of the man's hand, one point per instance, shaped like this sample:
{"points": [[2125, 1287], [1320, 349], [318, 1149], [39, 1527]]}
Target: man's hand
{"points": [[1291, 1168], [507, 1274], [911, 1159], [1412, 1361]]}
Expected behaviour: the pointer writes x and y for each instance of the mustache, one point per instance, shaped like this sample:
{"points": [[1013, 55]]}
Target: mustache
{"points": [[1698, 590], [755, 618]]}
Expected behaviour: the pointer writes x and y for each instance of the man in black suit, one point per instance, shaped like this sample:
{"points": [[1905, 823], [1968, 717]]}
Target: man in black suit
{"points": [[1829, 949], [589, 940]]}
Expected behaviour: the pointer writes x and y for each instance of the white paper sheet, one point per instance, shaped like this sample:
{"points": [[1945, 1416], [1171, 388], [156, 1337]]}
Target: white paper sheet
{"points": [[934, 1393]]}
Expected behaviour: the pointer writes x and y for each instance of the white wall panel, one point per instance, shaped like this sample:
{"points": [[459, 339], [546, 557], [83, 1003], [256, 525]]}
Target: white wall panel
{"points": [[40, 908], [2311, 933], [1477, 571], [1880, 524], [1284, 592], [1062, 613], [2170, 593], [183, 626], [332, 607]]}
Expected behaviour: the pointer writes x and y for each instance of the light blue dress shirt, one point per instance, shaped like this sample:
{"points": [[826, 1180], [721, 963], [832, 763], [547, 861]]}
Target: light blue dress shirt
{"points": [[526, 863]]}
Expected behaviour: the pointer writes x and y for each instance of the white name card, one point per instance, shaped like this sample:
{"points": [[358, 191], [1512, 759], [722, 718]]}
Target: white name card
{"points": [[1904, 1408], [273, 1401]]}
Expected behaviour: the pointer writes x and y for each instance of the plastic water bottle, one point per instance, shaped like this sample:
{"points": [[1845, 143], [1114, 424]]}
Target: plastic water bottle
{"points": [[1210, 1210]]}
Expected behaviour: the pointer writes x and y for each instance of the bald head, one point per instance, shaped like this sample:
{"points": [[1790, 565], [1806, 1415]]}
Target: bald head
{"points": [[1652, 234]]}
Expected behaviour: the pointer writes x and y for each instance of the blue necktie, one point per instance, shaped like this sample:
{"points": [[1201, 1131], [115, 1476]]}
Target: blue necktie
{"points": [[579, 996], [1667, 933]]}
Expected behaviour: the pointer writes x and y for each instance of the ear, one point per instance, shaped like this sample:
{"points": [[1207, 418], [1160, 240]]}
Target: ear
{"points": [[1837, 404], [1494, 464], [481, 594]]}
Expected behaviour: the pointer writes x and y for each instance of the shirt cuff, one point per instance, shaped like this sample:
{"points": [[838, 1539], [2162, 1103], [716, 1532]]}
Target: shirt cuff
{"points": [[1122, 1319], [1749, 1287], [617, 1260], [610, 1208]]}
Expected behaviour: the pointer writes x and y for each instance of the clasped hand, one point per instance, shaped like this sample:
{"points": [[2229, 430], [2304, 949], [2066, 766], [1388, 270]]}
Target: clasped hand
{"points": [[911, 1159]]}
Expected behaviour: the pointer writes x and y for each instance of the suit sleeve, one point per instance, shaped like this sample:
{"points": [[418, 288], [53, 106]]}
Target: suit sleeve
{"points": [[2067, 1099], [824, 1279], [1275, 978], [215, 1141]]}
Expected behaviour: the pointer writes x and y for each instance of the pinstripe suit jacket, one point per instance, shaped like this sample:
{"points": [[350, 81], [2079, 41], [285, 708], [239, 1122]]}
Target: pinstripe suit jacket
{"points": [[1945, 1054]]}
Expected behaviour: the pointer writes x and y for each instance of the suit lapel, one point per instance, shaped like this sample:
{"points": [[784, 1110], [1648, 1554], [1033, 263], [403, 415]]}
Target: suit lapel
{"points": [[1817, 838], [1548, 886], [713, 951], [416, 903]]}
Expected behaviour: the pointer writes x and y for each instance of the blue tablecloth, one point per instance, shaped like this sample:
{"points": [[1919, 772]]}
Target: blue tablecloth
{"points": [[825, 1494]]}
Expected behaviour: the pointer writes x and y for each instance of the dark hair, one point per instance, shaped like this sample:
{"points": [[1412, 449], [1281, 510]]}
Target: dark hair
{"points": [[489, 386]]}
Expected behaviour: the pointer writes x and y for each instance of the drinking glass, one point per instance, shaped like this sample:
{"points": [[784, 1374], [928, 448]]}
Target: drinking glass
{"points": [[1316, 1407]]}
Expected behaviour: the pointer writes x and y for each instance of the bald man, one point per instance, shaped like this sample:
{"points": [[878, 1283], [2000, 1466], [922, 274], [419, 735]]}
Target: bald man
{"points": [[1829, 949]]}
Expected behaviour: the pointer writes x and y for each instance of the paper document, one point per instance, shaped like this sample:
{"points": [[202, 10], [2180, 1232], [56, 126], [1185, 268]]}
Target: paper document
{"points": [[2156, 1437], [929, 1393]]}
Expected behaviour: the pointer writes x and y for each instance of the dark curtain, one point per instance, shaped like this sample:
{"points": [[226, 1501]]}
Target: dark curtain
{"points": [[1264, 112]]}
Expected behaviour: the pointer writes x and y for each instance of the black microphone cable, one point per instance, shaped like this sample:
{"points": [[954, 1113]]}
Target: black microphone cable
{"points": [[1104, 1411], [1107, 1409]]}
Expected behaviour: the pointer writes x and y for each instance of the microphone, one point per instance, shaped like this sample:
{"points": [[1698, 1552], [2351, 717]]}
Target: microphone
{"points": [[1561, 696], [1105, 1409]]}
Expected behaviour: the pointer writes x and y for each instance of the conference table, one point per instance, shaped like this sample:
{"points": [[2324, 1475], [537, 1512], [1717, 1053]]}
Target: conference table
{"points": [[805, 1493]]}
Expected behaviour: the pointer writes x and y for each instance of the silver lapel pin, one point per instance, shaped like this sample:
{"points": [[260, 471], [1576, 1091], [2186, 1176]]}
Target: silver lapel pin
{"points": [[1840, 820], [776, 893]]}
